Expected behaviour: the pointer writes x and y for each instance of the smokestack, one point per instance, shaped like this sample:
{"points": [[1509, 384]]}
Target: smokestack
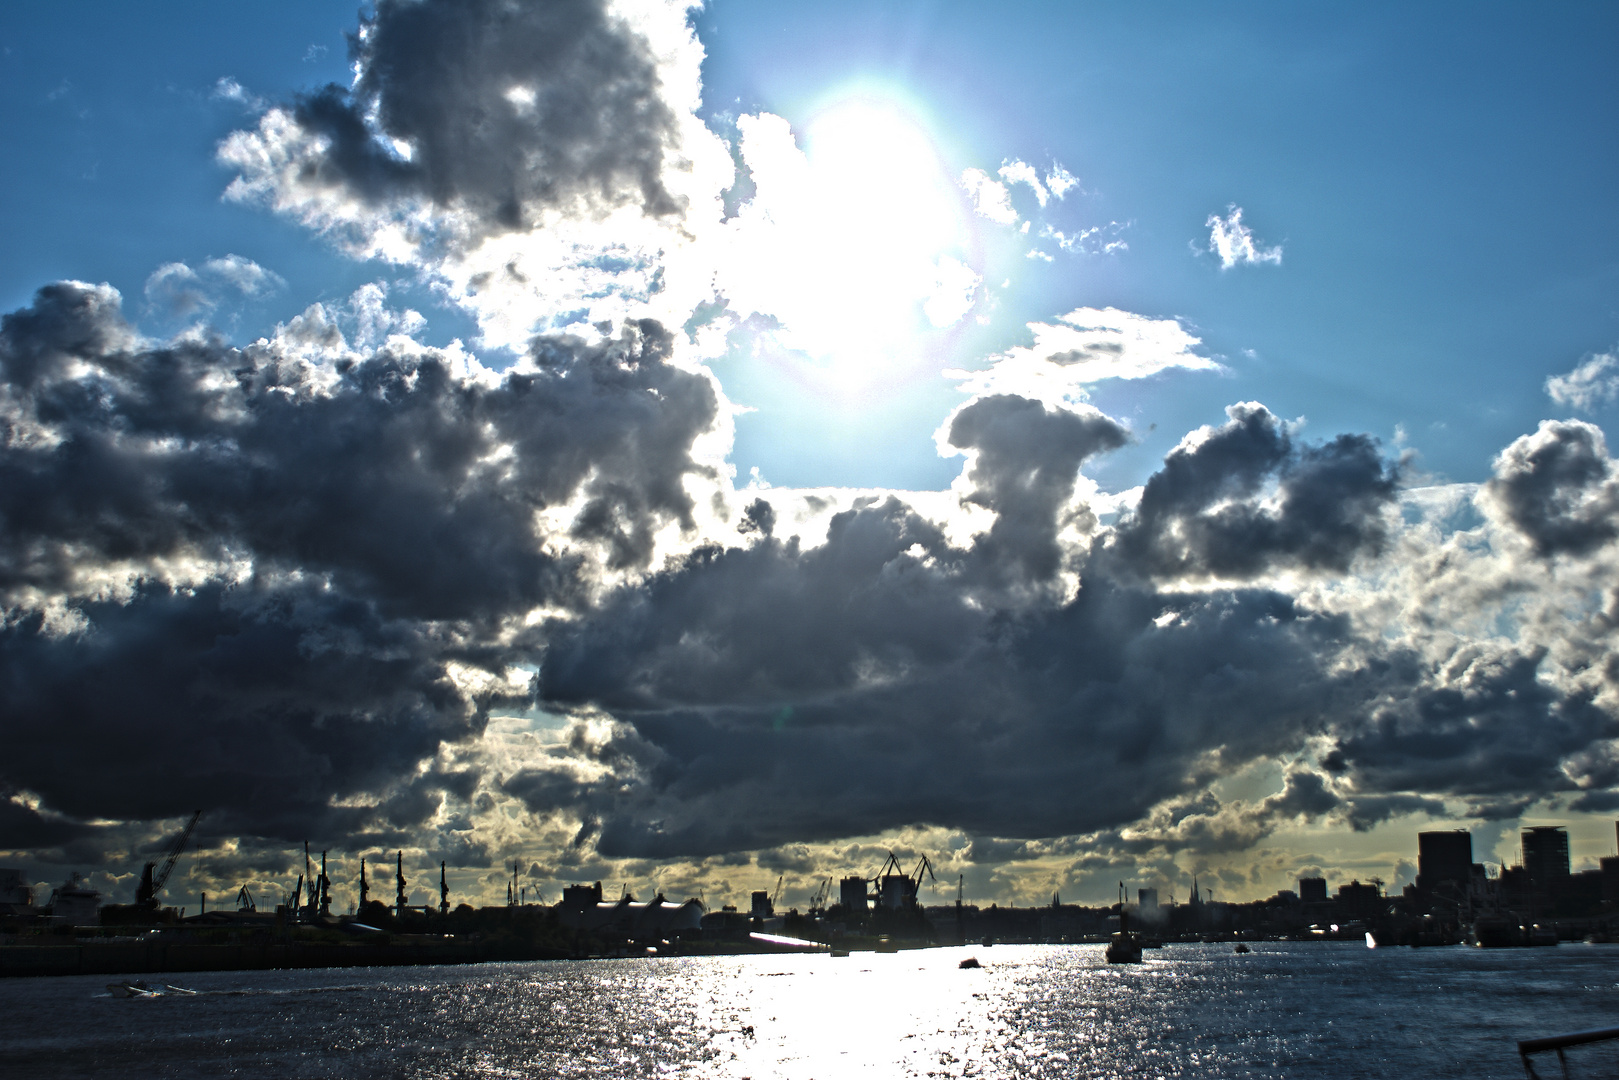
{"points": [[443, 892], [365, 888]]}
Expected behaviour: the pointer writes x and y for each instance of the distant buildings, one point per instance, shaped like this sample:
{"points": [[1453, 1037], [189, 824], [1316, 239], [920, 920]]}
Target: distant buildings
{"points": [[1545, 855], [1312, 890], [1444, 861], [16, 897]]}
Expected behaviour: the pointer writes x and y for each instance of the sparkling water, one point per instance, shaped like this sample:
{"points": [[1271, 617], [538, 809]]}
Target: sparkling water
{"points": [[1283, 1010]]}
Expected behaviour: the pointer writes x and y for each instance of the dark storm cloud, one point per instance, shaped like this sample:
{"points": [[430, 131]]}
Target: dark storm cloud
{"points": [[1495, 730], [1558, 488], [1026, 463], [407, 484], [508, 108], [272, 563], [1247, 498], [22, 827], [67, 320], [789, 695], [262, 709], [777, 694]]}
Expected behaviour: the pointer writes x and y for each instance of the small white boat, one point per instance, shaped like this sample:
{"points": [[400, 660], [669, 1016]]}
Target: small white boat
{"points": [[129, 989], [132, 989]]}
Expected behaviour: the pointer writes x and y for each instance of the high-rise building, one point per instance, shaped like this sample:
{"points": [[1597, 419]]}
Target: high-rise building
{"points": [[1545, 854], [1610, 876], [852, 894], [1313, 890], [1147, 900], [1444, 859]]}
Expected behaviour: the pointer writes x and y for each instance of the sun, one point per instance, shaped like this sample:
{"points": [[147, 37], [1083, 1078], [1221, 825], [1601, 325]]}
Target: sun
{"points": [[858, 241]]}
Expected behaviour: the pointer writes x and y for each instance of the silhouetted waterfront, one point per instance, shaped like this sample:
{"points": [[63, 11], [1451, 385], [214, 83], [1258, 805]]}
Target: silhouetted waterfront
{"points": [[1284, 1010]]}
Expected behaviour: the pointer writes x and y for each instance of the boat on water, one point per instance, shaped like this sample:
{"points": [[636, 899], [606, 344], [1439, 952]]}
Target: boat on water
{"points": [[1124, 947], [132, 989]]}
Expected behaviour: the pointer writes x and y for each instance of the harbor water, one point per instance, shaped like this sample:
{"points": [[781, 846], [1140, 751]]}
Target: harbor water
{"points": [[1283, 1010]]}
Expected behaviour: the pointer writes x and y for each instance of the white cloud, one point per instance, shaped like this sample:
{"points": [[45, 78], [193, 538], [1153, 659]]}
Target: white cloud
{"points": [[1093, 240], [1060, 181], [990, 196], [1021, 172], [228, 89], [178, 291], [1086, 346], [1234, 242], [1595, 382]]}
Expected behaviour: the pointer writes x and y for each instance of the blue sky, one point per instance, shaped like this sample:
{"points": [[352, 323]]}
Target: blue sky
{"points": [[943, 468], [1438, 177]]}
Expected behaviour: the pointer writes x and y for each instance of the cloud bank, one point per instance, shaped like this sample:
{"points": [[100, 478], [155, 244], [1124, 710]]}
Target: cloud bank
{"points": [[336, 584]]}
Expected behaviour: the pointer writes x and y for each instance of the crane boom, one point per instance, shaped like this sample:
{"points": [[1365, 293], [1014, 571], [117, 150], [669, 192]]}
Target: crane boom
{"points": [[174, 853], [152, 883]]}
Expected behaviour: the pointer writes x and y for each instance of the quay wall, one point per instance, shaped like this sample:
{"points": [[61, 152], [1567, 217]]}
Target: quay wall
{"points": [[159, 957]]}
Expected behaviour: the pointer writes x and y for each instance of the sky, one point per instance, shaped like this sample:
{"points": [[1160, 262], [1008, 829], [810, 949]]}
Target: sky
{"points": [[694, 447]]}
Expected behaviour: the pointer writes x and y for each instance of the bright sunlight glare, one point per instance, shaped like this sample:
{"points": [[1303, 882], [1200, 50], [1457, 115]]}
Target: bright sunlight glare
{"points": [[858, 244]]}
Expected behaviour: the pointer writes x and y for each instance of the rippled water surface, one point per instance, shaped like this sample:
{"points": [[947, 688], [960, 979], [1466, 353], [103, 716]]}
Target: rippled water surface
{"points": [[1285, 1010]]}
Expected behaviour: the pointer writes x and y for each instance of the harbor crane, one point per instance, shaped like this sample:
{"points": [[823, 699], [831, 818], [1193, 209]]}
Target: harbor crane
{"points": [[152, 883], [916, 875], [818, 900]]}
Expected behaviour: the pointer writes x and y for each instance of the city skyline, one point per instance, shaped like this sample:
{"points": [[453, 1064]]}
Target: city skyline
{"points": [[703, 447]]}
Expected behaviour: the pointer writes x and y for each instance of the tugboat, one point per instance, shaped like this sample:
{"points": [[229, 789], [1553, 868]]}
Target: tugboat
{"points": [[1124, 947]]}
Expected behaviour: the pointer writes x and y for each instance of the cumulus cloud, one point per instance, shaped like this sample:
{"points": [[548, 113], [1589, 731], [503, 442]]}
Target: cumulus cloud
{"points": [[1558, 488], [301, 577], [1595, 382], [569, 112], [286, 575], [1241, 500], [1233, 243], [338, 583], [543, 161]]}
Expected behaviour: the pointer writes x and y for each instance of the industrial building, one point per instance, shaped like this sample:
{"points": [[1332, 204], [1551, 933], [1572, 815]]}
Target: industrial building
{"points": [[583, 909]]}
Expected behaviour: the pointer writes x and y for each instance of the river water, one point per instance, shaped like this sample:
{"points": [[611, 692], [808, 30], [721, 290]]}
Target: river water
{"points": [[1285, 1010]]}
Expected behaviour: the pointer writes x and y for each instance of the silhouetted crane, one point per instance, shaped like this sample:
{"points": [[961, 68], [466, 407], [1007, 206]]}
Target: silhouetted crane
{"points": [[916, 875], [152, 884]]}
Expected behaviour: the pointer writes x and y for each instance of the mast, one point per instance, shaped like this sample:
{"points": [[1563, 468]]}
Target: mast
{"points": [[325, 888], [399, 876]]}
